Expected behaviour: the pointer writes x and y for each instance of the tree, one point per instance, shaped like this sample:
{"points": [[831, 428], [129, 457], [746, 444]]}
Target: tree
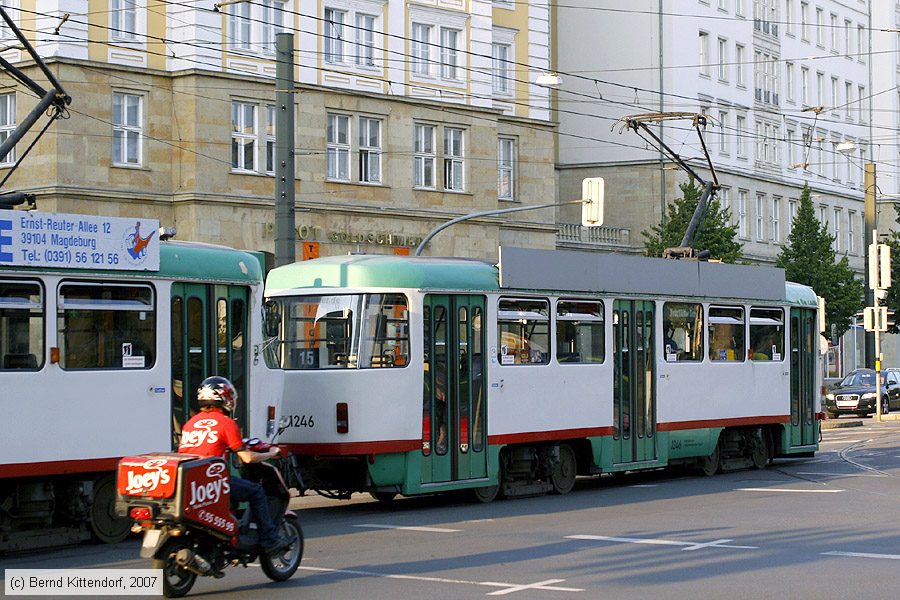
{"points": [[892, 301], [716, 233], [808, 258]]}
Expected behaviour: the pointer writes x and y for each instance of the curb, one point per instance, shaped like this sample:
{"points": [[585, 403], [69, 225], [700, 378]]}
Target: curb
{"points": [[840, 424]]}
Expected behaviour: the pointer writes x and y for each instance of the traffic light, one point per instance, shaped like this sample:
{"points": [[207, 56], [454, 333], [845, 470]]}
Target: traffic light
{"points": [[889, 319], [879, 266], [592, 192]]}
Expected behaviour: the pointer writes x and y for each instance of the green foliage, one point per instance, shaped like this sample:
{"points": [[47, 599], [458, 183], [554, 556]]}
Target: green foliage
{"points": [[893, 296], [716, 233], [809, 258]]}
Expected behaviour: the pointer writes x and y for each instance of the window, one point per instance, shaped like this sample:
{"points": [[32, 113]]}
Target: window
{"points": [[848, 100], [123, 19], [524, 330], [421, 39], [776, 219], [860, 97], [860, 43], [127, 119], [834, 95], [454, 160], [270, 139], [369, 150], [424, 157], [792, 214], [789, 81], [789, 17], [791, 151], [741, 127], [683, 329], [501, 78], [579, 332], [449, 53], [804, 21], [723, 133], [272, 23], [506, 168], [847, 37], [239, 25], [704, 53], [766, 334], [106, 326], [353, 331], [837, 230], [334, 35], [338, 141], [21, 325], [723, 59], [243, 136], [760, 217], [5, 32], [742, 214], [804, 85], [365, 40], [820, 29], [851, 232], [820, 88], [834, 32], [7, 124], [739, 57], [726, 333]]}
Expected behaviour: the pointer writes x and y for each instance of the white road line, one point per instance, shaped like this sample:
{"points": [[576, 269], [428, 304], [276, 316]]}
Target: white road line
{"points": [[838, 474], [788, 490], [409, 528], [643, 485], [841, 441], [686, 545], [507, 588], [863, 555]]}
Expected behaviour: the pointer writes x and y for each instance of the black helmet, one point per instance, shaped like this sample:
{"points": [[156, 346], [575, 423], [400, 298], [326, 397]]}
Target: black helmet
{"points": [[217, 391]]}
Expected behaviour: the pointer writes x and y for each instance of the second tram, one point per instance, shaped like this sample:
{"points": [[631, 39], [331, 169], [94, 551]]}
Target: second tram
{"points": [[418, 375]]}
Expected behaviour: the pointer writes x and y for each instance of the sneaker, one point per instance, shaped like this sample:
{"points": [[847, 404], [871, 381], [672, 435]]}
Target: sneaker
{"points": [[278, 545]]}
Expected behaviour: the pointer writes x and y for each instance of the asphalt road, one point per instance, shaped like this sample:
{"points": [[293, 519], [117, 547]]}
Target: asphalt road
{"points": [[827, 527]]}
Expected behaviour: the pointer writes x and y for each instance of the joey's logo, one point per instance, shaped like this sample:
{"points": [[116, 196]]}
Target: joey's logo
{"points": [[200, 434], [205, 493], [153, 475]]}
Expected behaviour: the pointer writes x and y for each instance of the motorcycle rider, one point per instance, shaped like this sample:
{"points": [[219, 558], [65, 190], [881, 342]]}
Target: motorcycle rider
{"points": [[216, 434]]}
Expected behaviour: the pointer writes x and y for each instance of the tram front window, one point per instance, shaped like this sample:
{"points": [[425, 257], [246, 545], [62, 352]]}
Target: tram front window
{"points": [[351, 331]]}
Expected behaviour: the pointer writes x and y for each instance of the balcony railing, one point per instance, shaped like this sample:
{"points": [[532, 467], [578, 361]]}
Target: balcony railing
{"points": [[575, 234]]}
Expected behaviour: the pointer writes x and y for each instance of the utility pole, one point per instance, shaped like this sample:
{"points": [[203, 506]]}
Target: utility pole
{"points": [[285, 235], [870, 224]]}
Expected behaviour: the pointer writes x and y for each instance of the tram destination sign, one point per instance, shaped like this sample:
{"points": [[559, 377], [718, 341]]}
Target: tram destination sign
{"points": [[36, 239]]}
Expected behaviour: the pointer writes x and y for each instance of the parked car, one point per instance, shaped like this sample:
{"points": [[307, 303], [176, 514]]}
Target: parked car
{"points": [[855, 393]]}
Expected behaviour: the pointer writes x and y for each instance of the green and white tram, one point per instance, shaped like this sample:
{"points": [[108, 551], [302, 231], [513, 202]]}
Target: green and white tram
{"points": [[418, 375], [100, 359]]}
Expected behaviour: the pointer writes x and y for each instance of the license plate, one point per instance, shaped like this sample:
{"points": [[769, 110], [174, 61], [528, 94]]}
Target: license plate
{"points": [[847, 403], [151, 538]]}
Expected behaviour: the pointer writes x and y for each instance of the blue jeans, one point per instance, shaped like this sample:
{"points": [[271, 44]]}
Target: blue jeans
{"points": [[247, 491]]}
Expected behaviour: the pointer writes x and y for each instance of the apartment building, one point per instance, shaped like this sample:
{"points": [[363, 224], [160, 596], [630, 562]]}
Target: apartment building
{"points": [[407, 114]]}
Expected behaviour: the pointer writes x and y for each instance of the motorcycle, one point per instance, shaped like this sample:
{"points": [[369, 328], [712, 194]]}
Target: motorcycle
{"points": [[182, 504]]}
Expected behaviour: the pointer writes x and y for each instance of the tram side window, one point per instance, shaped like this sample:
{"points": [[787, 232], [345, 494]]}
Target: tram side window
{"points": [[766, 334], [524, 330], [579, 331], [21, 326], [683, 328], [726, 333], [386, 332], [106, 326]]}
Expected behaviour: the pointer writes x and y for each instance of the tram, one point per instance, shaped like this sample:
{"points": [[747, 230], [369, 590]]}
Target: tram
{"points": [[105, 332], [413, 375]]}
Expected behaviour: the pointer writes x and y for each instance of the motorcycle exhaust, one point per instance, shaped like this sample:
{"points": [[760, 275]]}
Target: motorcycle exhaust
{"points": [[189, 560]]}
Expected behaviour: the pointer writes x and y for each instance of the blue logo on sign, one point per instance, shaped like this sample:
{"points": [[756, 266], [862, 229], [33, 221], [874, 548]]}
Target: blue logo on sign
{"points": [[5, 240]]}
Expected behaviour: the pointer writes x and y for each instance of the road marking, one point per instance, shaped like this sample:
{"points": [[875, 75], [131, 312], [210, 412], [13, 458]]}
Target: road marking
{"points": [[644, 485], [839, 474], [789, 490], [840, 441], [506, 588], [409, 528], [686, 545], [863, 555]]}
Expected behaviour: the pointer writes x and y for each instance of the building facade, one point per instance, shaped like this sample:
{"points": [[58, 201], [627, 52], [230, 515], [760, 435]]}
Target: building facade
{"points": [[407, 114], [790, 90]]}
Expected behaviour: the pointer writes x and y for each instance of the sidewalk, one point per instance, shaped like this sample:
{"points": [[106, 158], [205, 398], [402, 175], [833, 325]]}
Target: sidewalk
{"points": [[842, 422]]}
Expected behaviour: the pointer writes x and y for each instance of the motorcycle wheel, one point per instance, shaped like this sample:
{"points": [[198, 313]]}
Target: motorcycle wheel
{"points": [[176, 581], [280, 567]]}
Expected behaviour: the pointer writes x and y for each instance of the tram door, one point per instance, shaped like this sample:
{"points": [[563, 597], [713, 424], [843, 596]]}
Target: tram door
{"points": [[634, 395], [804, 341], [209, 324], [454, 399]]}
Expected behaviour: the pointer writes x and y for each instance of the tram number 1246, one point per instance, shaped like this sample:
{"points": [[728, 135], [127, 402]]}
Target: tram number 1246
{"points": [[300, 421]]}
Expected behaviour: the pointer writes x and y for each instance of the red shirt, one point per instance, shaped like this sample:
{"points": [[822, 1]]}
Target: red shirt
{"points": [[210, 433]]}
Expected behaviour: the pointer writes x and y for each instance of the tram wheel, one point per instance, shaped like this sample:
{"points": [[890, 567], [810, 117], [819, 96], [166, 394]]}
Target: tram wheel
{"points": [[384, 497], [709, 465], [760, 448], [486, 494], [563, 475], [107, 526]]}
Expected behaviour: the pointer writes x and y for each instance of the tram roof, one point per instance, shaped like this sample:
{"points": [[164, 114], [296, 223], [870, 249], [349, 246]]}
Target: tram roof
{"points": [[183, 260], [381, 270], [545, 270]]}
